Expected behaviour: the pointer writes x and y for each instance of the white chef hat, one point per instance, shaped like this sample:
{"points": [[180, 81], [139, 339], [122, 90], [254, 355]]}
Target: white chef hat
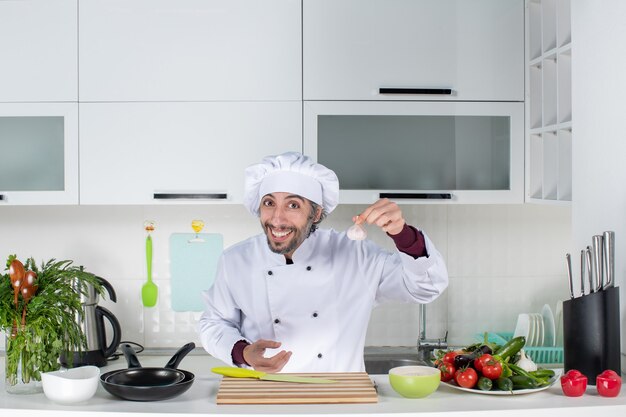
{"points": [[290, 172]]}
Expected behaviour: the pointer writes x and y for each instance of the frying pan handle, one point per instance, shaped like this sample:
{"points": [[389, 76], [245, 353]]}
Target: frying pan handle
{"points": [[179, 355], [131, 357]]}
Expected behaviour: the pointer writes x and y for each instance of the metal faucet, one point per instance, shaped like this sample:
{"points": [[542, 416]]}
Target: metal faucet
{"points": [[425, 347]]}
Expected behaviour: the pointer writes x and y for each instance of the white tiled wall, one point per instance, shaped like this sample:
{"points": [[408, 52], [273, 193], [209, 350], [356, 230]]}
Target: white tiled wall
{"points": [[502, 260]]}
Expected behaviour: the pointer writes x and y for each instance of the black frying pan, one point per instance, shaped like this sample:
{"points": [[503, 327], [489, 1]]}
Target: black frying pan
{"points": [[151, 392], [136, 375]]}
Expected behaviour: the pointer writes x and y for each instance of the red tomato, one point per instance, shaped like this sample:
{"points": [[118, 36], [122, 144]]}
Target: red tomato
{"points": [[449, 357], [466, 377], [573, 383], [492, 369], [447, 371], [608, 383], [481, 360]]}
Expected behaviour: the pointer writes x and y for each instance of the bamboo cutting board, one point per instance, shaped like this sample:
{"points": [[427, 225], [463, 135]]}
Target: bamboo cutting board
{"points": [[354, 387]]}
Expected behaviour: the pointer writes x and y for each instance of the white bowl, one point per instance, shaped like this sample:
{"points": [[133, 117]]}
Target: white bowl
{"points": [[69, 386]]}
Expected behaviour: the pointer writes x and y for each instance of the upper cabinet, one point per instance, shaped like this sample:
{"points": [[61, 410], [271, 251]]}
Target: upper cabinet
{"points": [[413, 50], [38, 50], [420, 152], [39, 142], [190, 50], [163, 153]]}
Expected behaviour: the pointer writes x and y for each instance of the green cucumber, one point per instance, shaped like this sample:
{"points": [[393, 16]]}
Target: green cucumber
{"points": [[484, 384], [523, 382], [504, 384], [511, 347]]}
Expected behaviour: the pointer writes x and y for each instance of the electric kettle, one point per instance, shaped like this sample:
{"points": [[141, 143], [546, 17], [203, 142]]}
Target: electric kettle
{"points": [[93, 326]]}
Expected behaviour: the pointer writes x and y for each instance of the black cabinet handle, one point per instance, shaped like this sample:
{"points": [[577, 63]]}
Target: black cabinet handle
{"points": [[1, 197], [190, 196], [436, 91], [421, 196]]}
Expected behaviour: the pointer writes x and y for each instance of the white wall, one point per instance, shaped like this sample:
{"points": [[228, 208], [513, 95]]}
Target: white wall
{"points": [[599, 139], [502, 260]]}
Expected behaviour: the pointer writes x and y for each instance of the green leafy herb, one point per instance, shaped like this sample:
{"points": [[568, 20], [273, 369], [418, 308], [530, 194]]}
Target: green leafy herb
{"points": [[51, 327]]}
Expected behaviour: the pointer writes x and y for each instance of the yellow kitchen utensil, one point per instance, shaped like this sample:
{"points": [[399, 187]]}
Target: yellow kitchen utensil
{"points": [[249, 373]]}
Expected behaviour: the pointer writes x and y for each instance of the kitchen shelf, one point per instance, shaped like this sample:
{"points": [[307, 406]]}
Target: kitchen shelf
{"points": [[548, 101]]}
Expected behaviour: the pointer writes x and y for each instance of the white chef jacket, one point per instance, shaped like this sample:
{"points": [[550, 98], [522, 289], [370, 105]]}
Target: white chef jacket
{"points": [[319, 306]]}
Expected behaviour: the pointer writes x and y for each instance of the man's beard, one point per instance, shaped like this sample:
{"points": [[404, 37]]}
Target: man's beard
{"points": [[298, 236]]}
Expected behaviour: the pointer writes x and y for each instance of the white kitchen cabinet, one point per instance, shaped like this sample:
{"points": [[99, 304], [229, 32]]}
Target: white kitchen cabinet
{"points": [[163, 153], [39, 143], [549, 102], [420, 152], [190, 50], [352, 49], [38, 50]]}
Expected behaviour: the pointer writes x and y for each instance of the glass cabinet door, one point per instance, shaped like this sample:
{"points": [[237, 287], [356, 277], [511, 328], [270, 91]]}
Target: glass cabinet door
{"points": [[39, 144], [463, 152]]}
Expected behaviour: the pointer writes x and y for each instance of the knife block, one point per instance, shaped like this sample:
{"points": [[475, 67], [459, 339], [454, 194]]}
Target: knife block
{"points": [[591, 333]]}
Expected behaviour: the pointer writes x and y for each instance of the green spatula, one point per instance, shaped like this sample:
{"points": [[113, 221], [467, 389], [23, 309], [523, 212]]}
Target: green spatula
{"points": [[149, 290]]}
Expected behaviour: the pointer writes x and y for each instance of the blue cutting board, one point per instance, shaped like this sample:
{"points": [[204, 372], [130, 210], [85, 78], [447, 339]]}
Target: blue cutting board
{"points": [[192, 268]]}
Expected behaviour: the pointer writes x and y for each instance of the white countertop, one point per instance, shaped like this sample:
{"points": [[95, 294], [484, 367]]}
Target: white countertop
{"points": [[200, 399]]}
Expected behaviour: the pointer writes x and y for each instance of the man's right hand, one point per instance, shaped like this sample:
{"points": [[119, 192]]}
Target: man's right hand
{"points": [[253, 355]]}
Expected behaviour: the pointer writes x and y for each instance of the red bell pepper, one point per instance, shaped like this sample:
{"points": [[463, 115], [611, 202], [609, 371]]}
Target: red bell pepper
{"points": [[573, 383], [608, 383]]}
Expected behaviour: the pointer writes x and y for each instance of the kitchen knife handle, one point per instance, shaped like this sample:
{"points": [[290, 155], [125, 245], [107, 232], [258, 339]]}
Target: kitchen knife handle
{"points": [[609, 258], [190, 196], [237, 372], [433, 91], [417, 196]]}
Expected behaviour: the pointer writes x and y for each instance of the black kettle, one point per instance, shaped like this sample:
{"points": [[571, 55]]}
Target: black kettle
{"points": [[93, 327]]}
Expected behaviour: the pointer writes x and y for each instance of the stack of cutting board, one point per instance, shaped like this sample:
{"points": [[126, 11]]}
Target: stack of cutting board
{"points": [[354, 387]]}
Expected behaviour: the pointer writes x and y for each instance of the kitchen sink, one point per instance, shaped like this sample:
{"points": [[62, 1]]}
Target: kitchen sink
{"points": [[381, 361]]}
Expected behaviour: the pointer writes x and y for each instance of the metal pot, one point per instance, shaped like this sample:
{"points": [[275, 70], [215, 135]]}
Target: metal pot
{"points": [[146, 384]]}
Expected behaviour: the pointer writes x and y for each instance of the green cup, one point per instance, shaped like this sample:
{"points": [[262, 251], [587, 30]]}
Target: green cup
{"points": [[414, 381]]}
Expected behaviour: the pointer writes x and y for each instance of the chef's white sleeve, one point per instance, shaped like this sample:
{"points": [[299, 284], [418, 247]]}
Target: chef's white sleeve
{"points": [[418, 280], [220, 323]]}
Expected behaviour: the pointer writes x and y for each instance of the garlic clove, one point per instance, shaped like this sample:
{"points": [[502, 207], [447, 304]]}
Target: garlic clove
{"points": [[356, 232]]}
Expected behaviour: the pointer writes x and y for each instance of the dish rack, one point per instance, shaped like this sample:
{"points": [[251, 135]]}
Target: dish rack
{"points": [[538, 354]]}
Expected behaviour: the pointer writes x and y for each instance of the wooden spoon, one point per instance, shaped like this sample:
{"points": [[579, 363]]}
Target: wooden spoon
{"points": [[16, 273], [28, 291]]}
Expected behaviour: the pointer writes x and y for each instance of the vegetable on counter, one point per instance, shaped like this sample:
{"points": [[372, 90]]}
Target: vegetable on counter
{"points": [[526, 363], [487, 366], [573, 383], [466, 377]]}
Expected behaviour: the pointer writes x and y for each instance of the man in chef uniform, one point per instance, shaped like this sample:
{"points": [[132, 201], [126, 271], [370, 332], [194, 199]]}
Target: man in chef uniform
{"points": [[298, 299]]}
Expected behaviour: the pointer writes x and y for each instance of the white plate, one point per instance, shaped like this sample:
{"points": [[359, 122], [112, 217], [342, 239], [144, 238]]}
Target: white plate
{"points": [[559, 323], [549, 326], [522, 328], [540, 330], [514, 392]]}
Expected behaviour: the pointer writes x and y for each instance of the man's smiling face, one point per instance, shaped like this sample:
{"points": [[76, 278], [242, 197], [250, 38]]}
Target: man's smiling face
{"points": [[286, 220]]}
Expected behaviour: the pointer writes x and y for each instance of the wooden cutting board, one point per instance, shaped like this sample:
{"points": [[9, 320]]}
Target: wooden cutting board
{"points": [[354, 387]]}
